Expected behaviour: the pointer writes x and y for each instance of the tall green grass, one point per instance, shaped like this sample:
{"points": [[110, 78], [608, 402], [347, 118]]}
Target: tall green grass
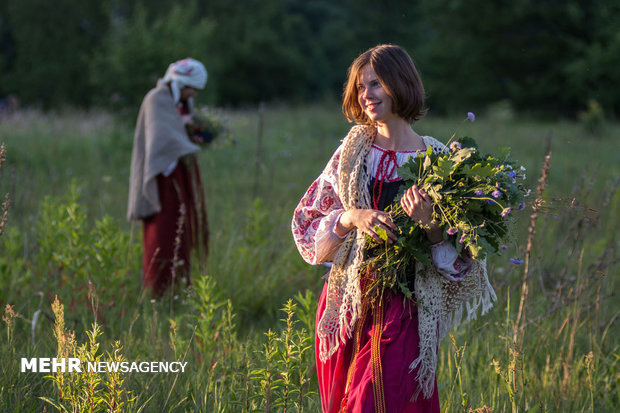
{"points": [[248, 347]]}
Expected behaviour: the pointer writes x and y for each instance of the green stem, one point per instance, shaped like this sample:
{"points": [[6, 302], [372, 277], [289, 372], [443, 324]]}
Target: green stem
{"points": [[485, 199]]}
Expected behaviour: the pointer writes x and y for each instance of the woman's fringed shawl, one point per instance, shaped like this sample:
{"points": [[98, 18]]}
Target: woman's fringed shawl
{"points": [[344, 297], [441, 301]]}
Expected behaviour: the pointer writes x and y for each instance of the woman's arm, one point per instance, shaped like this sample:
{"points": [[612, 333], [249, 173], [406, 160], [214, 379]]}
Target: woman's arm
{"points": [[448, 262], [316, 215]]}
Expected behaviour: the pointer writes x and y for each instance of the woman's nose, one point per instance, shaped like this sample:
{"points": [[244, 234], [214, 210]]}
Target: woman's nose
{"points": [[365, 94]]}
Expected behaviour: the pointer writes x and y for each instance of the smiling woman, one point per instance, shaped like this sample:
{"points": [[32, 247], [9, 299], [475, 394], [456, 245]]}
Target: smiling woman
{"points": [[392, 71], [375, 350]]}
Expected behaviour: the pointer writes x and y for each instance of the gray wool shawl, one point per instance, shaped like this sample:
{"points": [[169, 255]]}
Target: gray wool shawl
{"points": [[159, 140]]}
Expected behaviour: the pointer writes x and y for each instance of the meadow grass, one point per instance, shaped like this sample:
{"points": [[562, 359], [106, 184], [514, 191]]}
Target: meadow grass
{"points": [[248, 347]]}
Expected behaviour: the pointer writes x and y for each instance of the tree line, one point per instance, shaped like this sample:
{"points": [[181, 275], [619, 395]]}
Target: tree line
{"points": [[548, 57]]}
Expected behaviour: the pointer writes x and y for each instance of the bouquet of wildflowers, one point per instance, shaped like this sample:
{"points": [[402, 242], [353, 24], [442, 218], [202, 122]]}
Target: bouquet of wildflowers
{"points": [[211, 126], [473, 196]]}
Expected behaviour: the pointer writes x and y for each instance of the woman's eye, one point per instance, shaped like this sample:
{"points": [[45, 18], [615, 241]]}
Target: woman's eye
{"points": [[360, 88]]}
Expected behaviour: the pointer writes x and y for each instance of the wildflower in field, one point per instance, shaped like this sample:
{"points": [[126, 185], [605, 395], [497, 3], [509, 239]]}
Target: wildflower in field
{"points": [[516, 261], [455, 146], [496, 194], [462, 238], [512, 174], [479, 193], [505, 212], [521, 206], [452, 231], [471, 116]]}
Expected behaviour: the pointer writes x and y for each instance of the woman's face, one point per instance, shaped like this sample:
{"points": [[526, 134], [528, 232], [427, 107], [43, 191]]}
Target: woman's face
{"points": [[372, 97], [188, 92]]}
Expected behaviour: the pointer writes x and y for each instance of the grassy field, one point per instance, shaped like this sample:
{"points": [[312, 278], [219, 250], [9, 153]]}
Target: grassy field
{"points": [[248, 347]]}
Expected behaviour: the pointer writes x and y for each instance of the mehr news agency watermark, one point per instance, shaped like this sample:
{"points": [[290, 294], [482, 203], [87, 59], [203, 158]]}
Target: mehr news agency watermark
{"points": [[75, 365]]}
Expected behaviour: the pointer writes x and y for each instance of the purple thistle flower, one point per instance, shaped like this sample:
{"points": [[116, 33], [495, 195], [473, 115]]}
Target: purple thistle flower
{"points": [[497, 184], [522, 206], [479, 193], [471, 116], [455, 146], [516, 261], [452, 231], [505, 212], [512, 174], [496, 194]]}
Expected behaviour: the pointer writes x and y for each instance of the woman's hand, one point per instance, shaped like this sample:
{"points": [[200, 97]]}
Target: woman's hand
{"points": [[198, 139], [417, 204], [188, 120], [369, 221]]}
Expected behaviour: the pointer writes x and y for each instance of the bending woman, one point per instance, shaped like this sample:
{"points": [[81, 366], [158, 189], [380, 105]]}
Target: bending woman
{"points": [[380, 357], [165, 190]]}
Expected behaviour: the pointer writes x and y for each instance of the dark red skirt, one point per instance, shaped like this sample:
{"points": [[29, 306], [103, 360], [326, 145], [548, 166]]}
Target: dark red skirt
{"points": [[398, 348], [170, 235]]}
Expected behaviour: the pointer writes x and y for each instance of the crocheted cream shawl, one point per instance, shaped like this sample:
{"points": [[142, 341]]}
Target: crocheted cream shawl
{"points": [[441, 301]]}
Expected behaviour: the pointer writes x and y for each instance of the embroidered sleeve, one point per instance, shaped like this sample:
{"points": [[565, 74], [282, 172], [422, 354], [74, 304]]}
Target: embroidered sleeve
{"points": [[316, 215], [448, 262]]}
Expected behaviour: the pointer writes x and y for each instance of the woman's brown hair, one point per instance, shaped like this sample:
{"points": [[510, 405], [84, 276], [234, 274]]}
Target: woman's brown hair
{"points": [[397, 74]]}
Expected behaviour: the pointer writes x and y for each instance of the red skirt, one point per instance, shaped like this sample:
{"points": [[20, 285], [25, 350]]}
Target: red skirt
{"points": [[398, 348], [167, 246]]}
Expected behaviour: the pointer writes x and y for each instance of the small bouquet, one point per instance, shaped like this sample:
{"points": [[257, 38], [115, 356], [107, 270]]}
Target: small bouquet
{"points": [[473, 196], [211, 127]]}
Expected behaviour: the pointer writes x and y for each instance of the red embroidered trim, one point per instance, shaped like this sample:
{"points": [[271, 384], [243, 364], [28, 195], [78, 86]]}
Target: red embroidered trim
{"points": [[387, 166]]}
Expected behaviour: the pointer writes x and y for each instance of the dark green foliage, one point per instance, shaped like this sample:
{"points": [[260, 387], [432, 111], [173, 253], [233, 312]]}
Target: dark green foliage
{"points": [[139, 47], [543, 57], [46, 48]]}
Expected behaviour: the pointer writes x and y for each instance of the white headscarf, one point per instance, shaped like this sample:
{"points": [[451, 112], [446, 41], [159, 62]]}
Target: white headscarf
{"points": [[186, 72]]}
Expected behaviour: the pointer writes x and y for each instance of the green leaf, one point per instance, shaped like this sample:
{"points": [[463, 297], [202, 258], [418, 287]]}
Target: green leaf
{"points": [[478, 170], [475, 250], [407, 174], [434, 193], [444, 168], [468, 142], [462, 154], [382, 233], [427, 163]]}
